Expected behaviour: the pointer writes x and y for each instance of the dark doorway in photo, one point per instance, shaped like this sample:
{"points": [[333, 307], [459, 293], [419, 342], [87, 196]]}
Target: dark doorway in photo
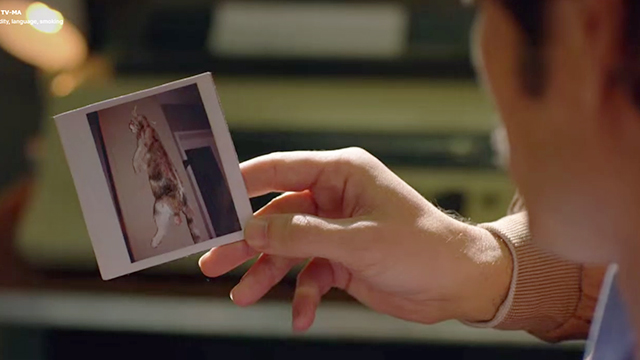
{"points": [[215, 192]]}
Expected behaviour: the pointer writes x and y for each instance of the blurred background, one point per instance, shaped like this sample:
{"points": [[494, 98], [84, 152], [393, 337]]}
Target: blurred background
{"points": [[393, 77]]}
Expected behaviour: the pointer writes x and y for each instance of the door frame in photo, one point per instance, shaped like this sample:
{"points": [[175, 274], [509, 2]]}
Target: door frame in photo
{"points": [[195, 139]]}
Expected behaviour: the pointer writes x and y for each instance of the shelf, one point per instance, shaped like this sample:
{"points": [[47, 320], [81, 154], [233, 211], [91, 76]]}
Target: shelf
{"points": [[219, 317]]}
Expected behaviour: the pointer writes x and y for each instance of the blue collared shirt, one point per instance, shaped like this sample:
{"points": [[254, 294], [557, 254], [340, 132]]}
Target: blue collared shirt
{"points": [[611, 336]]}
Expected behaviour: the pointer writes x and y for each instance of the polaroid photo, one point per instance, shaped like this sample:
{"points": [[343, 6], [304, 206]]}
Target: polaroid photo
{"points": [[157, 175]]}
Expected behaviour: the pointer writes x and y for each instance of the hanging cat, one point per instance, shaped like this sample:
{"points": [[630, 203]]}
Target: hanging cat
{"points": [[167, 188]]}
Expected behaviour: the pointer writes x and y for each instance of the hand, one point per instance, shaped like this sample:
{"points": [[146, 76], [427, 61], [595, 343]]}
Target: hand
{"points": [[366, 232]]}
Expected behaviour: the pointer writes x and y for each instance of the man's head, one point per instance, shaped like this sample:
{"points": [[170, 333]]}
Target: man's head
{"points": [[565, 76]]}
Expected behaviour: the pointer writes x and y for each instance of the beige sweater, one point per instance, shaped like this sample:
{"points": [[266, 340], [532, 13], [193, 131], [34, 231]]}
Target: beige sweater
{"points": [[550, 298]]}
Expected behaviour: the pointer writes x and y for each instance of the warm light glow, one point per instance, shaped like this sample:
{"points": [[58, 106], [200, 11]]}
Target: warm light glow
{"points": [[46, 44], [63, 85], [44, 18]]}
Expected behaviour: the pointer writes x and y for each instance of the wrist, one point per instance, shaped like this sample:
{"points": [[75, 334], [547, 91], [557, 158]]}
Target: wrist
{"points": [[489, 276]]}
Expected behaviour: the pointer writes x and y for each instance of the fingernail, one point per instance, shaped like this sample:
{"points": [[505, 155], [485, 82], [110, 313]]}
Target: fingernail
{"points": [[255, 233], [300, 325], [241, 293], [238, 292], [203, 258], [296, 321]]}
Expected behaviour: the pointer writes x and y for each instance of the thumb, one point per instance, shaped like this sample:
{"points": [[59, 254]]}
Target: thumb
{"points": [[306, 236]]}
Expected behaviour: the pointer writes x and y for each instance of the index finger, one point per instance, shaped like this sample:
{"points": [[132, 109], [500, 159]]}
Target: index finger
{"points": [[284, 172]]}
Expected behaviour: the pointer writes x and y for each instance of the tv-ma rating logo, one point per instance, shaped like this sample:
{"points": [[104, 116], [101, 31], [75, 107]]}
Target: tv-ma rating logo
{"points": [[10, 12]]}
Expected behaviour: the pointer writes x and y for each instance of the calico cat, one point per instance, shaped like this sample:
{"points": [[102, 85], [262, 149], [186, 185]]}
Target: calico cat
{"points": [[166, 186]]}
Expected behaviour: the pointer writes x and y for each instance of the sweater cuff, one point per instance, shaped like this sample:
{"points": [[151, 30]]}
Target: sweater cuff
{"points": [[544, 290]]}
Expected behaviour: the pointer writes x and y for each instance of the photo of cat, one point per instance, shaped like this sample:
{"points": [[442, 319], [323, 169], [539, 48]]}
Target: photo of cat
{"points": [[164, 171], [152, 159], [157, 175]]}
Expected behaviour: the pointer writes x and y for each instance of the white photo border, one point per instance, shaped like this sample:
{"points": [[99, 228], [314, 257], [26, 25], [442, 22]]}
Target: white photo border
{"points": [[95, 199]]}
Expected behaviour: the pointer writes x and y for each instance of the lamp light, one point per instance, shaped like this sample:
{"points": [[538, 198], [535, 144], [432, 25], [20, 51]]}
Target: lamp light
{"points": [[41, 36]]}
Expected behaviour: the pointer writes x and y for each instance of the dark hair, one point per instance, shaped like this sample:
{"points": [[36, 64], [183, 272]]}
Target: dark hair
{"points": [[531, 16], [630, 69]]}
